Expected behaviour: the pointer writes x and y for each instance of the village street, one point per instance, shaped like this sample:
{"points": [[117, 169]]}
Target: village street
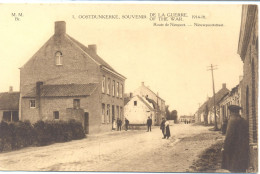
{"points": [[118, 151]]}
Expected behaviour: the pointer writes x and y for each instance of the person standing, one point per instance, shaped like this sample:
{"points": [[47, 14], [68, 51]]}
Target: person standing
{"points": [[126, 124], [162, 127], [149, 124], [236, 144], [120, 124], [167, 129]]}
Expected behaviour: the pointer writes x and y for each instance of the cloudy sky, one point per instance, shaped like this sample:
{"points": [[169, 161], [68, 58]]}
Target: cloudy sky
{"points": [[171, 60]]}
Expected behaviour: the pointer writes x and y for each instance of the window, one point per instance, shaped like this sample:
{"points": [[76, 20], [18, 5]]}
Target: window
{"points": [[122, 91], [108, 113], [103, 113], [113, 88], [32, 103], [58, 58], [117, 89], [76, 103], [135, 103], [103, 84], [108, 86], [56, 115]]}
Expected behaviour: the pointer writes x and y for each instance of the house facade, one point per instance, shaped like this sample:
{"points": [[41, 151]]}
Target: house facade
{"points": [[138, 109], [145, 91], [66, 80], [248, 51], [232, 98]]}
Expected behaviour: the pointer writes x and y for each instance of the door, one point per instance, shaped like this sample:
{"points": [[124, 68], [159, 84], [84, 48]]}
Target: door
{"points": [[113, 118], [86, 122]]}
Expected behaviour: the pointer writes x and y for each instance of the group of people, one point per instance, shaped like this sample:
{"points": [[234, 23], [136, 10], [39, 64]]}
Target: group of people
{"points": [[187, 121], [119, 124], [165, 127]]}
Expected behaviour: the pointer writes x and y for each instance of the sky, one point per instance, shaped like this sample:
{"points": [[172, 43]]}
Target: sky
{"points": [[171, 60]]}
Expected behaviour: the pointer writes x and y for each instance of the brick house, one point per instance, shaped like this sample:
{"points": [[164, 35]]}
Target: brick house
{"points": [[9, 106], [66, 80], [248, 51], [145, 91]]}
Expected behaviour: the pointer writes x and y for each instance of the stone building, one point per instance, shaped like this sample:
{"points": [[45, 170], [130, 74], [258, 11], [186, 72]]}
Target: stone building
{"points": [[145, 91], [248, 51], [66, 80]]}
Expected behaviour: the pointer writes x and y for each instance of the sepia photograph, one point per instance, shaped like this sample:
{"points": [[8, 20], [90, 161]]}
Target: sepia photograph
{"points": [[129, 87]]}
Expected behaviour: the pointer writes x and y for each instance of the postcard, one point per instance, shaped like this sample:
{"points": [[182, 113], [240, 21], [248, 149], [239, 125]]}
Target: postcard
{"points": [[129, 87]]}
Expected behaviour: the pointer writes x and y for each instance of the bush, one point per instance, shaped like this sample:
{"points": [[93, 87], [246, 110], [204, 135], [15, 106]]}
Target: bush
{"points": [[22, 134]]}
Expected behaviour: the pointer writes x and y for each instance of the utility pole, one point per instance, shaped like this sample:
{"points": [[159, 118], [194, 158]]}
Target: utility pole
{"points": [[212, 68]]}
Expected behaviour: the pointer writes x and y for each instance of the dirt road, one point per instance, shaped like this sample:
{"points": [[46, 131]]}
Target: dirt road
{"points": [[137, 151]]}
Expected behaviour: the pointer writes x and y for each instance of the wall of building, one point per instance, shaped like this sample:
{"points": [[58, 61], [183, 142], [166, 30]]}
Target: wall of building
{"points": [[138, 114], [250, 84]]}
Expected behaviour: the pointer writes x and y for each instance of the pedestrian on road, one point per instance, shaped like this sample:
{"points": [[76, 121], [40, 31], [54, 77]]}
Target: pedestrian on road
{"points": [[236, 144], [162, 127], [126, 124], [167, 129], [119, 124], [149, 124]]}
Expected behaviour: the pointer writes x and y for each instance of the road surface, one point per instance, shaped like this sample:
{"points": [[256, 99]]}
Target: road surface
{"points": [[133, 151]]}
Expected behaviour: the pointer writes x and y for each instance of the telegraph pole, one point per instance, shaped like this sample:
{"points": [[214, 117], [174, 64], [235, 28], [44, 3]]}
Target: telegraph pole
{"points": [[212, 68]]}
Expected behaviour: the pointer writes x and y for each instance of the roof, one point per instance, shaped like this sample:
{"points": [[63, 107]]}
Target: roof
{"points": [[218, 96], [154, 93], [64, 90], [155, 105], [146, 103], [92, 54], [210, 102], [9, 100]]}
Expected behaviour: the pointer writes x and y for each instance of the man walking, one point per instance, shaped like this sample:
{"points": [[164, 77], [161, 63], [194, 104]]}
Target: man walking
{"points": [[236, 144], [149, 124], [162, 127]]}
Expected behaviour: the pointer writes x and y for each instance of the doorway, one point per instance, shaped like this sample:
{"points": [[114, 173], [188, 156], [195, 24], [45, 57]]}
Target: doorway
{"points": [[86, 122]]}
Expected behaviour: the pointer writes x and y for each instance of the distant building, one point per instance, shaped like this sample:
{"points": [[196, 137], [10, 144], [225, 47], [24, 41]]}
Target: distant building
{"points": [[248, 51], [66, 80], [184, 118], [206, 111], [138, 109], [231, 98], [145, 91], [9, 106]]}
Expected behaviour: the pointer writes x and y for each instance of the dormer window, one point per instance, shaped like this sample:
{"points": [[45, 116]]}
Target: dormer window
{"points": [[58, 58]]}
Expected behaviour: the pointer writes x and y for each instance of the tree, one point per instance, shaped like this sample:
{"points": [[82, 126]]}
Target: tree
{"points": [[206, 115], [174, 115], [168, 114]]}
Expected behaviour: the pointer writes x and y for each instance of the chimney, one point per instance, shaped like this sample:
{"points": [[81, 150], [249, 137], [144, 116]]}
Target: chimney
{"points": [[142, 83], [93, 48], [38, 89], [224, 85], [60, 27], [131, 95], [10, 88]]}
